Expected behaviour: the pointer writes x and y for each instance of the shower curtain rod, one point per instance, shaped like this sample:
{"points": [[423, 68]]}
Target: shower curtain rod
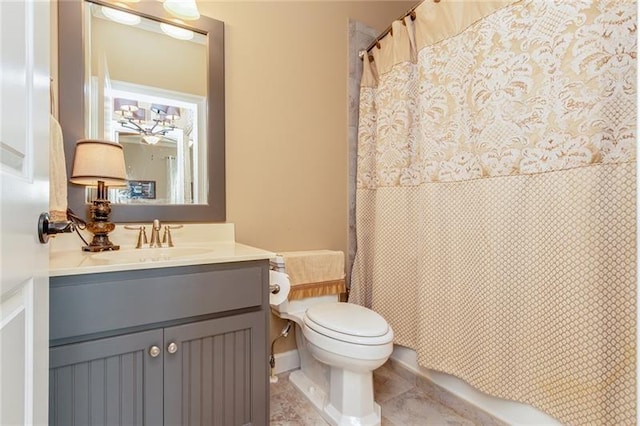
{"points": [[411, 12]]}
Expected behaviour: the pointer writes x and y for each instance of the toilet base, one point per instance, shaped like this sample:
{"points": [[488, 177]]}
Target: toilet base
{"points": [[318, 398]]}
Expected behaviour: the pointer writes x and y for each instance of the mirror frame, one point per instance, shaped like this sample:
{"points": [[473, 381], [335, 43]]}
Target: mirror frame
{"points": [[71, 68]]}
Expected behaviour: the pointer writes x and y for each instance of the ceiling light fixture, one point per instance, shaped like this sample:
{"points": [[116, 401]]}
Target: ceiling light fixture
{"points": [[121, 17], [176, 32], [135, 118], [183, 9], [151, 140]]}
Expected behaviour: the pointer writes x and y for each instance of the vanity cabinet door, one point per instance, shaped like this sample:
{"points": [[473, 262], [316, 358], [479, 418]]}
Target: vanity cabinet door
{"points": [[110, 381], [217, 372]]}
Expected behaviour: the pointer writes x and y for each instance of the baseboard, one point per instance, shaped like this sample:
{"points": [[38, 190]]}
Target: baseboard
{"points": [[510, 412], [287, 361]]}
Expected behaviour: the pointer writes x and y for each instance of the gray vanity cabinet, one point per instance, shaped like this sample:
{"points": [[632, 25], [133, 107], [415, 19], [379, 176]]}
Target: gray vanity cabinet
{"points": [[208, 379], [109, 381], [194, 352]]}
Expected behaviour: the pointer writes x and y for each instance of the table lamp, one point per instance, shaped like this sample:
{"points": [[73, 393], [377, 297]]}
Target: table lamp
{"points": [[99, 163]]}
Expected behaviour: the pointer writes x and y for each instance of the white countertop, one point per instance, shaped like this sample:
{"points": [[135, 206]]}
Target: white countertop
{"points": [[218, 246]]}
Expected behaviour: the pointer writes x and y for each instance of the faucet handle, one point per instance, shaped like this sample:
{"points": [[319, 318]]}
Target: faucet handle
{"points": [[142, 234], [166, 237], [142, 237]]}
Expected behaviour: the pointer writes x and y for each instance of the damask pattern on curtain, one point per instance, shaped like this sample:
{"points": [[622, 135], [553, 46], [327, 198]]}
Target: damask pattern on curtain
{"points": [[496, 199]]}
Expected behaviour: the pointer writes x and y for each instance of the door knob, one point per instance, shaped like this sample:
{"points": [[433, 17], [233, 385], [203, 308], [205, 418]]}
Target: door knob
{"points": [[154, 351], [172, 348]]}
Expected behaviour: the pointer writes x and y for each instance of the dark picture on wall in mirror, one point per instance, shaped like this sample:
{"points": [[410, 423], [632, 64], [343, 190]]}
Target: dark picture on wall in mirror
{"points": [[142, 189]]}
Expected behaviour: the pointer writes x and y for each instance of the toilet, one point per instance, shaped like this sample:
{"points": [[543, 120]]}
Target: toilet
{"points": [[340, 344]]}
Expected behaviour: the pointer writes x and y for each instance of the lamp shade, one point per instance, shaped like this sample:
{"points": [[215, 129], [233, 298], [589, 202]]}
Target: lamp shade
{"points": [[173, 113], [139, 115], [121, 104], [98, 160], [159, 109]]}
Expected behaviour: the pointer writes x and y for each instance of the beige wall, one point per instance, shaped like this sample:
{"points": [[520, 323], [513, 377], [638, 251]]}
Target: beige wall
{"points": [[140, 56], [287, 111], [149, 162]]}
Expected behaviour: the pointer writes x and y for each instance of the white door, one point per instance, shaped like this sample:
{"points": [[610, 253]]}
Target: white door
{"points": [[24, 176]]}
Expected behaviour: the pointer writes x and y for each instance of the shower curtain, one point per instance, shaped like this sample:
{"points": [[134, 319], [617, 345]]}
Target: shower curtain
{"points": [[496, 199]]}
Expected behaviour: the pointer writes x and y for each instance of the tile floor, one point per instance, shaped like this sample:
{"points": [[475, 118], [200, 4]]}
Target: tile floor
{"points": [[406, 400]]}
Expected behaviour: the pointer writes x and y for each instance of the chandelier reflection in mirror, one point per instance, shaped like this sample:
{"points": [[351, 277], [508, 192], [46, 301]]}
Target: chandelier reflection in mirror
{"points": [[162, 134], [135, 118]]}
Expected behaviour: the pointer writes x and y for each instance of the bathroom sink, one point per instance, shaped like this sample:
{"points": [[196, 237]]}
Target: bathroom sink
{"points": [[151, 254]]}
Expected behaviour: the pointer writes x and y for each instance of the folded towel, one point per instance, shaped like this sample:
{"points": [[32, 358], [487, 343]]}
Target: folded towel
{"points": [[314, 272], [313, 266], [57, 173]]}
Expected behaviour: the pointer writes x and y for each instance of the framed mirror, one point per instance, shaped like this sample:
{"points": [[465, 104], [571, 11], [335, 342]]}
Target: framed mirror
{"points": [[156, 86]]}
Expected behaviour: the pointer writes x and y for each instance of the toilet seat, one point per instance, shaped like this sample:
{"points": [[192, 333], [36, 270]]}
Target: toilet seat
{"points": [[348, 323]]}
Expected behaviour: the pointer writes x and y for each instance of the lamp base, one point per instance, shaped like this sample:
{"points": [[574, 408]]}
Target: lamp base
{"points": [[100, 227], [97, 249], [100, 247], [100, 242]]}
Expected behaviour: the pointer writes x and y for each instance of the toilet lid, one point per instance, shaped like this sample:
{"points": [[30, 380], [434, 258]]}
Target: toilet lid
{"points": [[346, 319]]}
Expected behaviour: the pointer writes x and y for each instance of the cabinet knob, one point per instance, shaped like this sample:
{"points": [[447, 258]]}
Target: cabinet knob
{"points": [[154, 351], [172, 348]]}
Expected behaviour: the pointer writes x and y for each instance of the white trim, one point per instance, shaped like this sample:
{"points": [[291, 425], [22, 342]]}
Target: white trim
{"points": [[151, 93], [29, 36], [29, 340], [511, 412], [21, 300], [287, 361], [11, 306]]}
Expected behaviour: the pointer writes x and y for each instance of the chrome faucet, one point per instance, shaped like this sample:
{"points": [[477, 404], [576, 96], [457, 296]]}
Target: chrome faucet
{"points": [[155, 234]]}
